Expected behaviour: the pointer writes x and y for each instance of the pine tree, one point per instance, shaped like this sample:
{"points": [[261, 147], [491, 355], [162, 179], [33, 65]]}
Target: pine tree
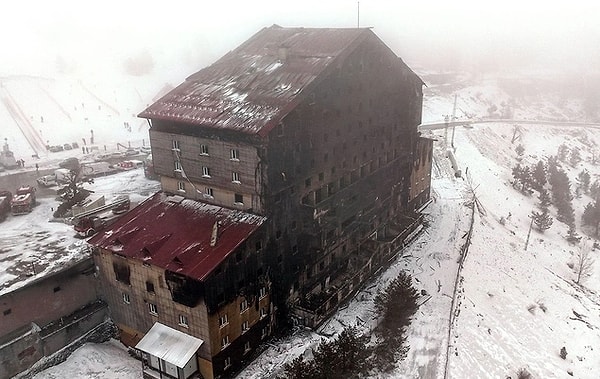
{"points": [[572, 235], [544, 197], [539, 175], [575, 157], [563, 152], [583, 180], [542, 219], [520, 151], [591, 216], [595, 189]]}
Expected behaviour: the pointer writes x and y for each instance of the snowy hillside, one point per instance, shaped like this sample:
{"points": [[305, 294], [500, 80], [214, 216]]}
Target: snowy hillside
{"points": [[514, 308]]}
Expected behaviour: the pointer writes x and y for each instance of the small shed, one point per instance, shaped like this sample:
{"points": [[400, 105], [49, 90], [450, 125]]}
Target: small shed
{"points": [[169, 351]]}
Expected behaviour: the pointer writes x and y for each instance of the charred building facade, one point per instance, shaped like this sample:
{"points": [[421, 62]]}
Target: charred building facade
{"points": [[315, 129]]}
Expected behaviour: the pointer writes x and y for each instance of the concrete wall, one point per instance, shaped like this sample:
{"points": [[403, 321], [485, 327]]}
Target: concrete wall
{"points": [[49, 298]]}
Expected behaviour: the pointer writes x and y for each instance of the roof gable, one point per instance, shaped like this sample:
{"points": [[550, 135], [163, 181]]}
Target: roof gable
{"points": [[175, 234], [253, 87]]}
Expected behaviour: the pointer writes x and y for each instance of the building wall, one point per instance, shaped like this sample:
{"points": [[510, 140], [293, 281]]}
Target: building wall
{"points": [[52, 297], [346, 154], [135, 317], [421, 175], [199, 153]]}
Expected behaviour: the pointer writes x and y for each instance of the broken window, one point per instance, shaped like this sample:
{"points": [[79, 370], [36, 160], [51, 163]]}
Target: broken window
{"points": [[122, 273], [150, 287], [238, 199]]}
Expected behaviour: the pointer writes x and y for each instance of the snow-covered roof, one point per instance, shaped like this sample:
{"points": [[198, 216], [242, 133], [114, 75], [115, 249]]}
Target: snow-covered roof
{"points": [[169, 344], [253, 87]]}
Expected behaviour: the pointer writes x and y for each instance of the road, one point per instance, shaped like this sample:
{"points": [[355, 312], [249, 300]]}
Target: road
{"points": [[442, 125]]}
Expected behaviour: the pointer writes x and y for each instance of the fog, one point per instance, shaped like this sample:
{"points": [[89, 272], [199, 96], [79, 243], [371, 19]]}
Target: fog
{"points": [[174, 39]]}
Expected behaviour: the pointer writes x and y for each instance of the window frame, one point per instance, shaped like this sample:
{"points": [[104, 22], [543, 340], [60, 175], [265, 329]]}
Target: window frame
{"points": [[204, 149], [223, 320], [206, 172], [183, 321], [153, 309], [225, 342], [126, 298], [234, 155], [244, 306], [180, 186], [236, 177]]}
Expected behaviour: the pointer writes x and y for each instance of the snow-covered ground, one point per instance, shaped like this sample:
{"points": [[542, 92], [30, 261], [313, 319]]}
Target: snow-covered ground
{"points": [[515, 308]]}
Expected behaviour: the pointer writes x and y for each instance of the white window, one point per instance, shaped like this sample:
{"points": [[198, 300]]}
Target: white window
{"points": [[126, 298], [223, 320], [153, 309], [203, 149], [209, 193], [224, 342], [262, 292], [175, 145], [227, 362], [205, 172], [178, 166], [235, 177], [243, 306], [181, 186], [246, 347], [234, 154], [183, 320], [245, 326], [263, 312], [264, 333]]}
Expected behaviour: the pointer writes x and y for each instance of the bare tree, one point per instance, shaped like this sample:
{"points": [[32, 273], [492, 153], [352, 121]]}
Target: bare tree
{"points": [[584, 264]]}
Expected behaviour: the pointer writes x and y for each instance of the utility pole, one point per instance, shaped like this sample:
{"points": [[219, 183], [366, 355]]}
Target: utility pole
{"points": [[529, 232], [358, 14]]}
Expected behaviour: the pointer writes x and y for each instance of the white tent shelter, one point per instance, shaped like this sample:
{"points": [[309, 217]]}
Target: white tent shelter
{"points": [[170, 351]]}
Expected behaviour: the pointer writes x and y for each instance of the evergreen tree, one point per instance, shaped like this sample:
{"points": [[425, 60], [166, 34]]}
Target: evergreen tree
{"points": [[520, 151], [595, 189], [591, 216], [575, 157], [572, 235], [542, 219], [539, 175], [583, 180], [563, 152], [545, 200]]}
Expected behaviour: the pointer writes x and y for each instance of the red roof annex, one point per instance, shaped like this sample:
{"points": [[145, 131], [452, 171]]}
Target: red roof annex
{"points": [[252, 88], [174, 233]]}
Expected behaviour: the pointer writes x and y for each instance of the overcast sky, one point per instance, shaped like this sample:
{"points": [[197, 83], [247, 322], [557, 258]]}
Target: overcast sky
{"points": [[89, 36]]}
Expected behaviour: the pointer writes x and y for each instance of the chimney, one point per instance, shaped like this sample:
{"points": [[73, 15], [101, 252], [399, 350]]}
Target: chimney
{"points": [[215, 232]]}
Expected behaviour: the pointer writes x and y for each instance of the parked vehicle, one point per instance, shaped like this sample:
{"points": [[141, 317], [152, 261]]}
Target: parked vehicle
{"points": [[130, 165], [23, 201], [96, 169], [47, 180], [5, 199]]}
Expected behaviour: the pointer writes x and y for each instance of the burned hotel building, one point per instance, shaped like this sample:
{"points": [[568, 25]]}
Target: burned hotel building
{"points": [[291, 169]]}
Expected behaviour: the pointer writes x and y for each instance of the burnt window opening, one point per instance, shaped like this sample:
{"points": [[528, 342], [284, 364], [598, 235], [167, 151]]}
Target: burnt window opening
{"points": [[150, 287], [238, 256], [122, 273], [184, 290], [321, 176], [56, 289], [7, 311], [318, 196], [278, 234], [238, 199], [307, 182], [258, 246]]}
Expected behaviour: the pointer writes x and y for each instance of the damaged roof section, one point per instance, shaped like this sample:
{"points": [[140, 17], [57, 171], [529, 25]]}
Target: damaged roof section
{"points": [[180, 235], [253, 87]]}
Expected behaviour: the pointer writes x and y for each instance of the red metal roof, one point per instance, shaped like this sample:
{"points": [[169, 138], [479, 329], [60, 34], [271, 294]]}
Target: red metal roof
{"points": [[253, 87], [174, 233]]}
